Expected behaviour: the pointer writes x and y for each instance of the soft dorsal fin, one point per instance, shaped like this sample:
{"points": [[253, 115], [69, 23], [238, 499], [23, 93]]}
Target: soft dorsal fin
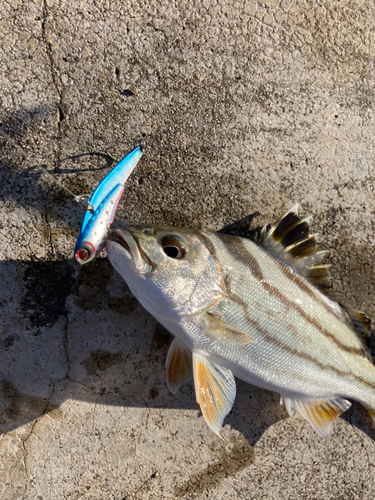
{"points": [[362, 324], [289, 237], [320, 414]]}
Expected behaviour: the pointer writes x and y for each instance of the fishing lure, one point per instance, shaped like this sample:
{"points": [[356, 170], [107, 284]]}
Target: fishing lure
{"points": [[102, 208]]}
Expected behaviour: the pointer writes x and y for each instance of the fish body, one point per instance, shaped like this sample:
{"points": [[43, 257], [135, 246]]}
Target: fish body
{"points": [[250, 310], [102, 208]]}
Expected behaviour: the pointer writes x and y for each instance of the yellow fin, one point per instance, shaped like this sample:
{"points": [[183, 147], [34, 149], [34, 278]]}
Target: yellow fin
{"points": [[320, 414], [178, 365], [371, 413], [219, 330], [215, 390]]}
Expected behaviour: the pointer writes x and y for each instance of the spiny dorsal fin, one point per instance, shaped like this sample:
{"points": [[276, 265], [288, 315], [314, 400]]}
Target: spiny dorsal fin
{"points": [[362, 324], [289, 237]]}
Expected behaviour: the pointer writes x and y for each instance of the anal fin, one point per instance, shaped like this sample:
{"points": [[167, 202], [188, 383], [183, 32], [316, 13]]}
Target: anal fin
{"points": [[320, 414], [372, 414], [215, 390], [178, 365]]}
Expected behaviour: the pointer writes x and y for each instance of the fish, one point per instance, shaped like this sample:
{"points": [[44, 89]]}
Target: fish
{"points": [[102, 207], [261, 311]]}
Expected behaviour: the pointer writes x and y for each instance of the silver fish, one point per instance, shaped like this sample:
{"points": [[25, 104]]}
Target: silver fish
{"points": [[259, 311]]}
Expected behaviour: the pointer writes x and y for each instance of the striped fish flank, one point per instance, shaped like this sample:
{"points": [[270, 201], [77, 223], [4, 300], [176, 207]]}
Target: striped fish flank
{"points": [[259, 311]]}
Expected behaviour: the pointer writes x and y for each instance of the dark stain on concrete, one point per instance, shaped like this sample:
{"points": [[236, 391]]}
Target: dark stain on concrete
{"points": [[48, 285], [99, 361], [17, 409], [90, 290], [153, 392], [10, 340], [229, 463]]}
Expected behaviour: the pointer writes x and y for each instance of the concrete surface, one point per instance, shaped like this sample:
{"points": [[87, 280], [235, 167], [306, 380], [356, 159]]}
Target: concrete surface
{"points": [[247, 108]]}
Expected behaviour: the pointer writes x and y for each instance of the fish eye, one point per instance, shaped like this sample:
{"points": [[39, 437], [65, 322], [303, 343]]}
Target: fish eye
{"points": [[172, 247], [148, 231]]}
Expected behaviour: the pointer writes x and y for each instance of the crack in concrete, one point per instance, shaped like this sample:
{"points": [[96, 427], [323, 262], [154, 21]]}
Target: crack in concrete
{"points": [[49, 227], [148, 411], [65, 343], [53, 72], [65, 377], [24, 441]]}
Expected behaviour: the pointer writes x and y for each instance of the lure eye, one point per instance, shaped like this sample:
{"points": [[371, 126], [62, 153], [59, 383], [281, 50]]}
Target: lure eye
{"points": [[85, 253], [82, 254], [173, 248]]}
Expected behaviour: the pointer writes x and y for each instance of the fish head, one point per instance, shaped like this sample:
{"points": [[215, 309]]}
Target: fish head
{"points": [[165, 268]]}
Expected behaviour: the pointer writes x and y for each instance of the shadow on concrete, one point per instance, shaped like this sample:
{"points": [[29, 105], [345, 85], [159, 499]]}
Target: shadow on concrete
{"points": [[43, 309], [30, 181], [40, 313]]}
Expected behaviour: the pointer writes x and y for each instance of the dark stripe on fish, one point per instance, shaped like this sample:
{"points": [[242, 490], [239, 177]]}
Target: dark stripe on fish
{"points": [[306, 288], [272, 340], [208, 243], [288, 303], [211, 248], [244, 305], [237, 249]]}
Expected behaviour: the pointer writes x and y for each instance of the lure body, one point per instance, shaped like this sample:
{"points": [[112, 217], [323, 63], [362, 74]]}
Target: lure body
{"points": [[102, 208]]}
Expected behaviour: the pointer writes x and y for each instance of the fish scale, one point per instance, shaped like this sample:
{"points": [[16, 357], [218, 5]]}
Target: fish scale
{"points": [[267, 351], [258, 311]]}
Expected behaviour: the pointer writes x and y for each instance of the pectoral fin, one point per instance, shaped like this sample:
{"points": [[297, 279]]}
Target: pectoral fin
{"points": [[178, 365], [215, 390], [320, 414], [221, 331]]}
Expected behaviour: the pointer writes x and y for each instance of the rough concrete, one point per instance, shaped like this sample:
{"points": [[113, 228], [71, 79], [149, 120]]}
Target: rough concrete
{"points": [[247, 108]]}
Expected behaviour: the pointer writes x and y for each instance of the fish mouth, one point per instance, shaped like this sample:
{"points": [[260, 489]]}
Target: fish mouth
{"points": [[118, 238], [123, 243]]}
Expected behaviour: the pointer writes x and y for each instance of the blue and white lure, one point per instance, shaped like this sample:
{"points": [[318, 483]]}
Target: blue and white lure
{"points": [[102, 207]]}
